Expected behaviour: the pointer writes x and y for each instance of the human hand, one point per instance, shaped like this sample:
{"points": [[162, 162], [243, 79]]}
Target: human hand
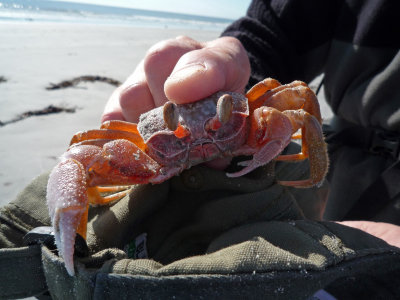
{"points": [[181, 70], [388, 232]]}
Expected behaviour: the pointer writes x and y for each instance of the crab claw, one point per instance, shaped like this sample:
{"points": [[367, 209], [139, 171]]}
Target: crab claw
{"points": [[73, 185], [68, 202]]}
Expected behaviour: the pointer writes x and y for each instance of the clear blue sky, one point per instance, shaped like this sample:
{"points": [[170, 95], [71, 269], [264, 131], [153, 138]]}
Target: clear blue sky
{"points": [[230, 9]]}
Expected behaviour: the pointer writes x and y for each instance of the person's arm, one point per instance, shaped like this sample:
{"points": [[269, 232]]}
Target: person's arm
{"points": [[286, 39]]}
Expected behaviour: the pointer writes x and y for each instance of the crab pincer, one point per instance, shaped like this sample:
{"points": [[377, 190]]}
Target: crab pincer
{"points": [[74, 184]]}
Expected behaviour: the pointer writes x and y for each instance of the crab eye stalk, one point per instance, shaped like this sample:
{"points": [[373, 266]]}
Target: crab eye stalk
{"points": [[170, 115], [224, 108]]}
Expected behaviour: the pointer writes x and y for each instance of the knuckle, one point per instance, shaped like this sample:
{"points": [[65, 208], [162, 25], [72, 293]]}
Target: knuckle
{"points": [[135, 100], [183, 38], [129, 94], [169, 51], [187, 40], [124, 98], [159, 53]]}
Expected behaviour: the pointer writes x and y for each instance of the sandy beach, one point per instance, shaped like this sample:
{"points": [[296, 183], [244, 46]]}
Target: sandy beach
{"points": [[34, 55]]}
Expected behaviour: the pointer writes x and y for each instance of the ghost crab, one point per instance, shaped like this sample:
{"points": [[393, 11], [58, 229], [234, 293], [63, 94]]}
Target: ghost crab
{"points": [[172, 138]]}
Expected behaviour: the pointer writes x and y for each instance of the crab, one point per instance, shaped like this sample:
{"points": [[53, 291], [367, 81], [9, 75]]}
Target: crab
{"points": [[172, 138]]}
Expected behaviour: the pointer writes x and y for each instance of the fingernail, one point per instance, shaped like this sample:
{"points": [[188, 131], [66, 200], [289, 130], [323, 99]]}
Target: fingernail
{"points": [[187, 71]]}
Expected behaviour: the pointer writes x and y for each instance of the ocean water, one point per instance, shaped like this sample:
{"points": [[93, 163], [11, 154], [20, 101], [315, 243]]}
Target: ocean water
{"points": [[67, 12]]}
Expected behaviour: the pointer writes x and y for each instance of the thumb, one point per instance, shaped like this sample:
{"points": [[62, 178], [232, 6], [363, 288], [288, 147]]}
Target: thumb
{"points": [[221, 65]]}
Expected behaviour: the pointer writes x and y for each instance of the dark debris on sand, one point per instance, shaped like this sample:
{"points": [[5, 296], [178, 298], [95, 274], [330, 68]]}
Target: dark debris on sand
{"points": [[51, 109], [75, 81]]}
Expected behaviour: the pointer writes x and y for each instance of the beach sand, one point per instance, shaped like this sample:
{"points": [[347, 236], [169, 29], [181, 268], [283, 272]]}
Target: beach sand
{"points": [[33, 55]]}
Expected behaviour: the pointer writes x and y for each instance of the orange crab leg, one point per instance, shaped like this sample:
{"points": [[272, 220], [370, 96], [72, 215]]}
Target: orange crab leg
{"points": [[108, 134], [112, 189], [96, 198], [313, 147], [296, 136], [296, 95], [254, 95], [120, 125]]}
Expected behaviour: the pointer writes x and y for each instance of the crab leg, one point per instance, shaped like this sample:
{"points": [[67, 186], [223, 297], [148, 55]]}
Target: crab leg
{"points": [[112, 189], [296, 95], [96, 198], [313, 148], [270, 133], [120, 125], [261, 88], [109, 134], [254, 95], [109, 131]]}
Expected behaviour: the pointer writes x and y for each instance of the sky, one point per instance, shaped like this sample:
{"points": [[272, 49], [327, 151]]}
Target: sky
{"points": [[231, 9]]}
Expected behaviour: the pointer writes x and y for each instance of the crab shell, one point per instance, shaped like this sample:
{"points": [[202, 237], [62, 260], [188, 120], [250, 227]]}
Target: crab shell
{"points": [[201, 143]]}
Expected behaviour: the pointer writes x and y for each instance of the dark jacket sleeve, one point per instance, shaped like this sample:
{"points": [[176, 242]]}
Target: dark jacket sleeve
{"points": [[281, 36]]}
